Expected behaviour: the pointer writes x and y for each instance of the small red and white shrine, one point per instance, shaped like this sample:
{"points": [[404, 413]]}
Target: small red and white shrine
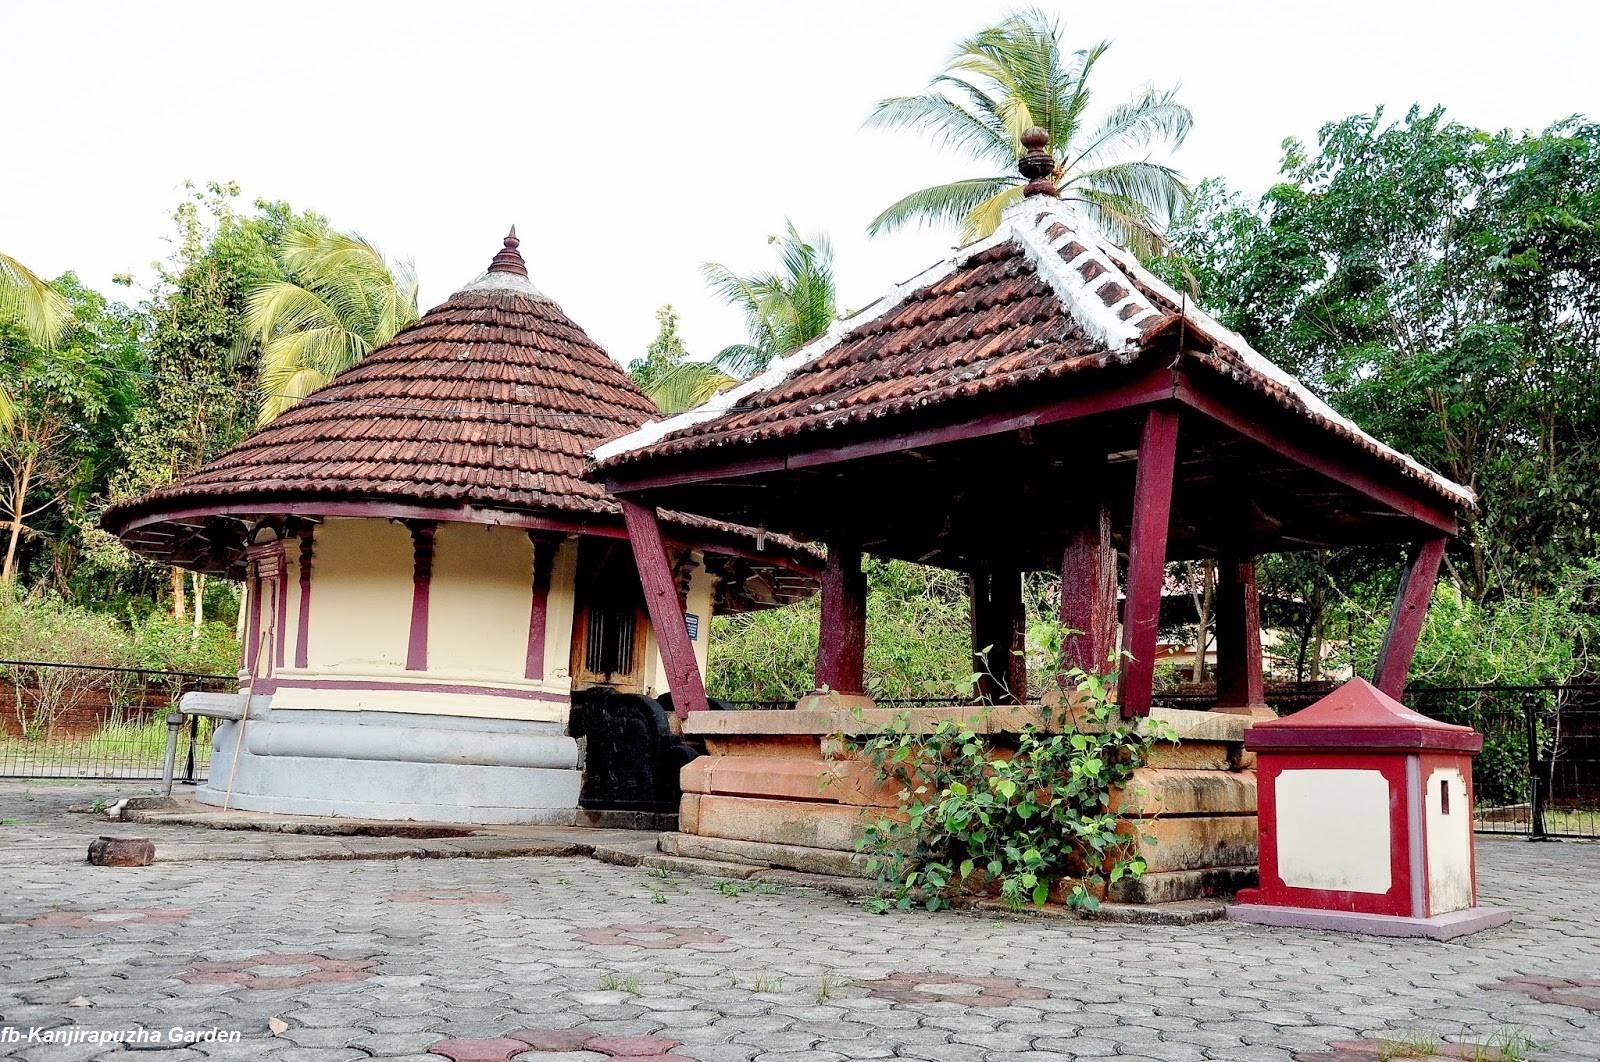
{"points": [[1365, 820]]}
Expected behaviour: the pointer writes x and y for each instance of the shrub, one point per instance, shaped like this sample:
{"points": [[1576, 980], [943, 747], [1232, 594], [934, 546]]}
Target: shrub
{"points": [[42, 628], [1028, 822]]}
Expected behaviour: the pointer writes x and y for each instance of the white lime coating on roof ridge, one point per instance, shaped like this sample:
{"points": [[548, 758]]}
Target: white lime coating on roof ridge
{"points": [[501, 280]]}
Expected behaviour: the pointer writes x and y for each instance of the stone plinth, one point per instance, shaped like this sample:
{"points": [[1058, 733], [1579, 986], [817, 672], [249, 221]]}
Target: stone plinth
{"points": [[780, 788]]}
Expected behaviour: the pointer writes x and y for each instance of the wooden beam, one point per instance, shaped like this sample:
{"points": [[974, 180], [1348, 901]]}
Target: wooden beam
{"points": [[698, 469], [1239, 678], [999, 633], [1147, 555], [842, 638], [666, 610], [1405, 621], [1089, 582], [1406, 501]]}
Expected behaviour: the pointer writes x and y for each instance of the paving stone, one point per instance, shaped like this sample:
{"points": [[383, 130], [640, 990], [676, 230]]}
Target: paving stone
{"points": [[958, 986]]}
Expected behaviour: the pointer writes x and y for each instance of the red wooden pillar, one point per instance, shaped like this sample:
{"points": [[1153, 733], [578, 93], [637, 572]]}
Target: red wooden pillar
{"points": [[842, 640], [1147, 558], [422, 535], [1239, 678], [544, 555], [1405, 621], [302, 648], [1089, 590], [999, 635], [665, 607]]}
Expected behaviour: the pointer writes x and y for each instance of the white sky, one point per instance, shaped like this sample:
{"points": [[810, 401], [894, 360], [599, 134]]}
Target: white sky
{"points": [[631, 141]]}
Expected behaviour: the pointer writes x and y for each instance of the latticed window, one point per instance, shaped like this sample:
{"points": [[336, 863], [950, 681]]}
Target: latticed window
{"points": [[609, 645]]}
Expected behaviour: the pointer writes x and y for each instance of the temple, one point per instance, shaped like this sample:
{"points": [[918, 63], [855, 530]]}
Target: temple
{"points": [[1037, 402], [437, 605]]}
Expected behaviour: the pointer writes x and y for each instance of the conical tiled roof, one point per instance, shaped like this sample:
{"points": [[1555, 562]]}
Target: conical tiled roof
{"points": [[488, 402], [490, 399]]}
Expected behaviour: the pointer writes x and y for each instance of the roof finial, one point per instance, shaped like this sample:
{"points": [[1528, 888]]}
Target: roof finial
{"points": [[1037, 164], [508, 259]]}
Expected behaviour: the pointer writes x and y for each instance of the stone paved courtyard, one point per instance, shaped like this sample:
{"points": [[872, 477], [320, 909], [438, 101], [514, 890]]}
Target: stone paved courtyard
{"points": [[561, 959]]}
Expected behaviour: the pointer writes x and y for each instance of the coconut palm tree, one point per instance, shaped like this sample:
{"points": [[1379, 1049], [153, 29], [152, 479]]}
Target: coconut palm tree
{"points": [[34, 304], [341, 299], [1015, 75], [782, 310]]}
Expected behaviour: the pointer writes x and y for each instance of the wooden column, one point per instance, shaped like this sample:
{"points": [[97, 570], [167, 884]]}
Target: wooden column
{"points": [[422, 535], [302, 645], [1239, 678], [1405, 621], [999, 635], [544, 555], [1089, 590], [666, 609], [1147, 557], [842, 639]]}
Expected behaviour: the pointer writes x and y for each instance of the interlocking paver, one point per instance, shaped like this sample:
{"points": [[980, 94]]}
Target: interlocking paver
{"points": [[476, 950]]}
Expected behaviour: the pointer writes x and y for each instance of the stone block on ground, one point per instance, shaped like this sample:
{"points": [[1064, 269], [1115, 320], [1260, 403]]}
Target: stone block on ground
{"points": [[122, 852]]}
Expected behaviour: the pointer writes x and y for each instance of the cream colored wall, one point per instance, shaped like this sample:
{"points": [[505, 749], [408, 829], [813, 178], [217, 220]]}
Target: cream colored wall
{"points": [[1333, 830], [360, 596], [480, 598], [479, 602], [559, 614], [1449, 842]]}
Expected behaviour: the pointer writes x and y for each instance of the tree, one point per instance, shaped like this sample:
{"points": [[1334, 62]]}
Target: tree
{"points": [[199, 392], [784, 310], [27, 300], [61, 400], [1014, 75], [1440, 285], [338, 300], [668, 375]]}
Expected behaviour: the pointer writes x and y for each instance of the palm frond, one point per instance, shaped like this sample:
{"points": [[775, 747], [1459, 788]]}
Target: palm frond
{"points": [[741, 360], [943, 204], [1123, 220], [947, 122], [29, 300], [685, 385], [984, 218], [341, 299], [1149, 117], [1159, 190]]}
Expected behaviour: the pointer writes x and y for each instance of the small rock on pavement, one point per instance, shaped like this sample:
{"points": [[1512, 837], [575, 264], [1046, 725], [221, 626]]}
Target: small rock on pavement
{"points": [[122, 851]]}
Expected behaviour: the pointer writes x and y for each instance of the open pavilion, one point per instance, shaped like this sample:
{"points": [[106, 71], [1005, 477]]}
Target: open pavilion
{"points": [[1041, 401], [1037, 402]]}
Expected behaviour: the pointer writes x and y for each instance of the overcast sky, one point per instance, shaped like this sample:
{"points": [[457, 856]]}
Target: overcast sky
{"points": [[630, 142]]}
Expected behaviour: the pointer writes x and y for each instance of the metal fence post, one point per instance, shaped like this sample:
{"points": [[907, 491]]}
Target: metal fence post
{"points": [[174, 724], [1535, 790]]}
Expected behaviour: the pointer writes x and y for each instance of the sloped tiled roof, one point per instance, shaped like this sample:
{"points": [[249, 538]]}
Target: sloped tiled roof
{"points": [[1044, 297]]}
